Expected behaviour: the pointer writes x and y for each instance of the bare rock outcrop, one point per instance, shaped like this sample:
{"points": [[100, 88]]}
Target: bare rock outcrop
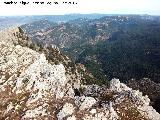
{"points": [[33, 88]]}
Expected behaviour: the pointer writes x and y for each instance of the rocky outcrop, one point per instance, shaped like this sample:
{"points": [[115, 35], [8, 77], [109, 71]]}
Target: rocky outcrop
{"points": [[150, 88], [32, 87]]}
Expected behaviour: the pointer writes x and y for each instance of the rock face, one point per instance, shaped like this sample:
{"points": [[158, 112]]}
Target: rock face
{"points": [[33, 88], [149, 88]]}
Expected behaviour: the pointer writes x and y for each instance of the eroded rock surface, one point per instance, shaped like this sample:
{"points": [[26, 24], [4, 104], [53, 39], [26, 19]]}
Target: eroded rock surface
{"points": [[33, 88]]}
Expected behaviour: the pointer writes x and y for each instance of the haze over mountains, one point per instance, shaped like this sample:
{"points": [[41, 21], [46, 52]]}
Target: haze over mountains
{"points": [[8, 21]]}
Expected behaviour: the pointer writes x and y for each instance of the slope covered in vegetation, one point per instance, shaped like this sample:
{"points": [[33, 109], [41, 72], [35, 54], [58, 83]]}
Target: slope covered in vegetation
{"points": [[119, 46]]}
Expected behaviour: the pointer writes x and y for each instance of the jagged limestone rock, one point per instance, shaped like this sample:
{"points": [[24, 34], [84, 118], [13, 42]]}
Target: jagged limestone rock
{"points": [[87, 103], [67, 110], [115, 85]]}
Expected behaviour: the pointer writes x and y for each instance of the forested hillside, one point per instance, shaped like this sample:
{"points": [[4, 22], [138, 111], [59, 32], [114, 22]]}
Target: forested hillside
{"points": [[121, 46]]}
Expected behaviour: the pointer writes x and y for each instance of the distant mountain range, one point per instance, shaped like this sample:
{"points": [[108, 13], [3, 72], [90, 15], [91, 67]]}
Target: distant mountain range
{"points": [[8, 21], [120, 46]]}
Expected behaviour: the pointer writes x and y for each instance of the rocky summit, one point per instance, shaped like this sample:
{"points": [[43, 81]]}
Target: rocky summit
{"points": [[33, 87]]}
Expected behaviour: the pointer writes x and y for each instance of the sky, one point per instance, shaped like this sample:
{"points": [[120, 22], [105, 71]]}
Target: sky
{"points": [[151, 7]]}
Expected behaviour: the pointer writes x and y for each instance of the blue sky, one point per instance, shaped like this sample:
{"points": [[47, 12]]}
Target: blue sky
{"points": [[151, 7]]}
